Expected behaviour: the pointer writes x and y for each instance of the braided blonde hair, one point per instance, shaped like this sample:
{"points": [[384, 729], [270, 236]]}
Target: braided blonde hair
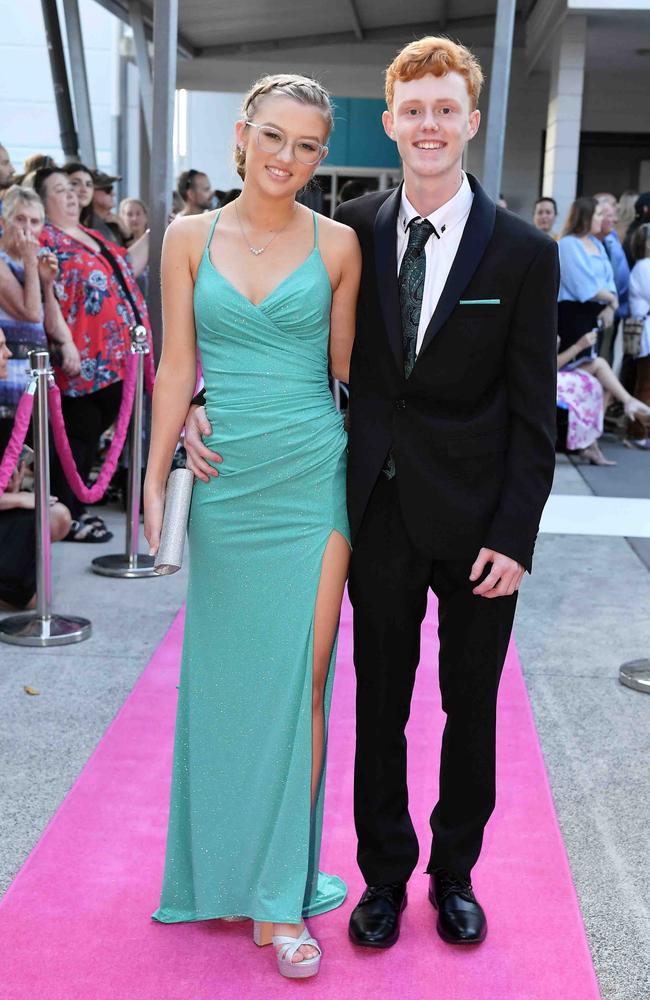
{"points": [[298, 88]]}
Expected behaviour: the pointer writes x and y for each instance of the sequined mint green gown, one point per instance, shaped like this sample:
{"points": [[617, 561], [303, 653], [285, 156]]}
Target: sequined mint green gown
{"points": [[242, 837]]}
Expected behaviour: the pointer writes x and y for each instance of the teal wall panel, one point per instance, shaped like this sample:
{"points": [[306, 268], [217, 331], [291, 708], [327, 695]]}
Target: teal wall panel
{"points": [[358, 139]]}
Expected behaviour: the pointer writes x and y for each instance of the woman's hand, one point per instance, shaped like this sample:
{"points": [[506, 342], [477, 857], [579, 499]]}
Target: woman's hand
{"points": [[27, 248], [70, 359], [154, 505], [586, 341], [607, 315], [48, 268]]}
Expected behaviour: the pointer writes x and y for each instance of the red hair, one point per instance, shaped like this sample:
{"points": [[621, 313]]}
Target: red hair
{"points": [[438, 56]]}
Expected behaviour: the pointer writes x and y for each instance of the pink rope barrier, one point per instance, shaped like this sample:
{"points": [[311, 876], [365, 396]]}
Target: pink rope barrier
{"points": [[149, 371], [91, 494], [17, 439]]}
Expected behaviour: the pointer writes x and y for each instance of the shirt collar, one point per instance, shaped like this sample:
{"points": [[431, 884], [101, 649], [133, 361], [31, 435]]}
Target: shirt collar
{"points": [[445, 217]]}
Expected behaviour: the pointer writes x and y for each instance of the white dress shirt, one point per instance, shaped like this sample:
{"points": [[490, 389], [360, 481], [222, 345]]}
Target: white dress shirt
{"points": [[448, 222]]}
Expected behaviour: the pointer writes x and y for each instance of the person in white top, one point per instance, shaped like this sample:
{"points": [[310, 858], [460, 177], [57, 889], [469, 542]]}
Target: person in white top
{"points": [[639, 298]]}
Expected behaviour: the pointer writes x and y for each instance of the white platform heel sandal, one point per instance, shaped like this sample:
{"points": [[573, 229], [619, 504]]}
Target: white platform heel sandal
{"points": [[286, 948]]}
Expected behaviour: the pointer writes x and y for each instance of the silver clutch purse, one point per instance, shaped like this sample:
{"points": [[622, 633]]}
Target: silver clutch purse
{"points": [[178, 496]]}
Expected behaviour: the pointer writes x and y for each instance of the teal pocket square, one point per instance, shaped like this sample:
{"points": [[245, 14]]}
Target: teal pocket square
{"points": [[480, 302]]}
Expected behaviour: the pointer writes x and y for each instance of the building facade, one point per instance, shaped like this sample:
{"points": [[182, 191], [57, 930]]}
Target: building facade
{"points": [[578, 116]]}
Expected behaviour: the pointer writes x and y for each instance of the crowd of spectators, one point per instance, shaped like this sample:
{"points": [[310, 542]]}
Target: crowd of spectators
{"points": [[604, 282], [69, 267], [74, 280]]}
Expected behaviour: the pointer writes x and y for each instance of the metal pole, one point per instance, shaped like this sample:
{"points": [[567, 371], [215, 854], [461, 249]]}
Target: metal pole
{"points": [[144, 66], [40, 362], [498, 103], [80, 83], [67, 129], [132, 564], [41, 627], [135, 469], [165, 31], [635, 674]]}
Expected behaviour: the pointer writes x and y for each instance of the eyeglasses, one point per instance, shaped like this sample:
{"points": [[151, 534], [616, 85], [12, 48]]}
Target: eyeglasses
{"points": [[272, 140]]}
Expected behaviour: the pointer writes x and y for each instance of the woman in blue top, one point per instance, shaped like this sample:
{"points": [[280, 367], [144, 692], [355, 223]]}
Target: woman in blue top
{"points": [[586, 299], [29, 311], [587, 287]]}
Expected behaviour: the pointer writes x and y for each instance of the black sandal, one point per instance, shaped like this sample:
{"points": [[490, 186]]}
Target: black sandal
{"points": [[81, 531], [94, 521]]}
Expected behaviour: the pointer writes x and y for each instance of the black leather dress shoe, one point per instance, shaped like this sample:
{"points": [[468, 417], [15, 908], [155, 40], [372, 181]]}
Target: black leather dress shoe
{"points": [[376, 918], [461, 919]]}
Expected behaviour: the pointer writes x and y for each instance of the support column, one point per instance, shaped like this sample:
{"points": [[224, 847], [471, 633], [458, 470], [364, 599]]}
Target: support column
{"points": [[498, 103], [565, 113], [119, 122], [80, 83], [60, 83], [144, 66], [165, 31]]}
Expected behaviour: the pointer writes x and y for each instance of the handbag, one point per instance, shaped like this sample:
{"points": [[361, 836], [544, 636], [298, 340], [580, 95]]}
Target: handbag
{"points": [[178, 496], [632, 331]]}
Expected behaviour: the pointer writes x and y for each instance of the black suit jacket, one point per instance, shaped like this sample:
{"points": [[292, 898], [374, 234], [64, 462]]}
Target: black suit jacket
{"points": [[473, 428]]}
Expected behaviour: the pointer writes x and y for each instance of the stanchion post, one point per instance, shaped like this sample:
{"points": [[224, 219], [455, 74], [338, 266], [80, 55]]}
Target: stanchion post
{"points": [[132, 563], [635, 674], [41, 627]]}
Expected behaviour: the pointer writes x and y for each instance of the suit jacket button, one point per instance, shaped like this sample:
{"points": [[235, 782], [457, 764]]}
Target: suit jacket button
{"points": [[400, 404]]}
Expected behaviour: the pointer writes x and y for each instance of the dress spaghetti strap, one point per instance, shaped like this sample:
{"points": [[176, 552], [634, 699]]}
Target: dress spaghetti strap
{"points": [[214, 222], [315, 217]]}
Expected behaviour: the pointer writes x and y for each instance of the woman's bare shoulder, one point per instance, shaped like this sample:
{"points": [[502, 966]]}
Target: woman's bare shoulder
{"points": [[337, 235], [185, 238], [189, 229]]}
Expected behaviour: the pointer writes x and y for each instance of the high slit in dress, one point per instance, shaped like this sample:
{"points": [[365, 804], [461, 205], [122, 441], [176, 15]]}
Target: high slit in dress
{"points": [[242, 836]]}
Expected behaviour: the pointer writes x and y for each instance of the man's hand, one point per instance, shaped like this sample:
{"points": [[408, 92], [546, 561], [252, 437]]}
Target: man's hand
{"points": [[198, 456], [503, 579]]}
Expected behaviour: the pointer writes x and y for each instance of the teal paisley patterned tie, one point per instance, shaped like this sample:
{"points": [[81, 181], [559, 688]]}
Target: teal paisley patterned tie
{"points": [[411, 287]]}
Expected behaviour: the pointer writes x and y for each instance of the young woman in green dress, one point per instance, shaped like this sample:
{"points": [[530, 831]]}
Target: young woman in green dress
{"points": [[267, 291]]}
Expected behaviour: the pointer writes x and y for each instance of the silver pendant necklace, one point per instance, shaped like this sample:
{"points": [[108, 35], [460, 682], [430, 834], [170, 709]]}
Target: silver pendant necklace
{"points": [[258, 250]]}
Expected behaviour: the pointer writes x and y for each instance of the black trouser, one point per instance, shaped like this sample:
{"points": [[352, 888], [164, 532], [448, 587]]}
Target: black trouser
{"points": [[389, 583], [86, 418]]}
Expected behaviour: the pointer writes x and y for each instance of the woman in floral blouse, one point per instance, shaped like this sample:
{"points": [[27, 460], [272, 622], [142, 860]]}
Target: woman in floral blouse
{"points": [[94, 278]]}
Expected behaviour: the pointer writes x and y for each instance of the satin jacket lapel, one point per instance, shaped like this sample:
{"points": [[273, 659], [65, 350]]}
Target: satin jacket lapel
{"points": [[476, 236], [386, 268]]}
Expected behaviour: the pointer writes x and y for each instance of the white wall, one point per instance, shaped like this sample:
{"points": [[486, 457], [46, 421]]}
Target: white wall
{"points": [[210, 137], [28, 119]]}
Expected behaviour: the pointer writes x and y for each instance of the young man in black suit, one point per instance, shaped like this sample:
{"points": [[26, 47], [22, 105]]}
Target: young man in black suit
{"points": [[452, 432]]}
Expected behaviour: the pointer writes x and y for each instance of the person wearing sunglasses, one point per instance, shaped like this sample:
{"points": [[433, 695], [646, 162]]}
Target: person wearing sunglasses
{"points": [[104, 219]]}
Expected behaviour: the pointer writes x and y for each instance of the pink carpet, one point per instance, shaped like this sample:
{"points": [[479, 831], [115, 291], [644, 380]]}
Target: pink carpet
{"points": [[75, 923]]}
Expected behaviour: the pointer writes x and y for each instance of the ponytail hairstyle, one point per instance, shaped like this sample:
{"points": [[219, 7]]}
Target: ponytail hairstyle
{"points": [[298, 88]]}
